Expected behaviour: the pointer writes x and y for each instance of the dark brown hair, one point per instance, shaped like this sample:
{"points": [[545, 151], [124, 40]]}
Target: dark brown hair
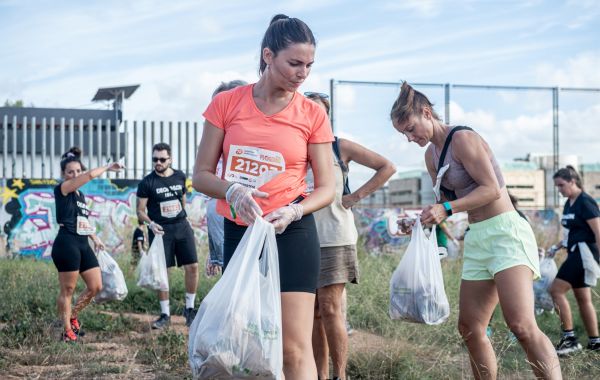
{"points": [[568, 174], [72, 155], [410, 102], [281, 33], [314, 96]]}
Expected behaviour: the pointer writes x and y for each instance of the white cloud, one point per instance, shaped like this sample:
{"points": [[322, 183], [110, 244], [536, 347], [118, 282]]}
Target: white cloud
{"points": [[583, 70], [423, 8]]}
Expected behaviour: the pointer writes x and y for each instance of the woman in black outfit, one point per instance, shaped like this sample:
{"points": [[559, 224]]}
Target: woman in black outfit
{"points": [[581, 217], [71, 251]]}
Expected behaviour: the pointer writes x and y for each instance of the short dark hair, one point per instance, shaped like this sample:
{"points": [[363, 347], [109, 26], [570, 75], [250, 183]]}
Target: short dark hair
{"points": [[72, 155], [226, 86], [281, 33], [162, 146]]}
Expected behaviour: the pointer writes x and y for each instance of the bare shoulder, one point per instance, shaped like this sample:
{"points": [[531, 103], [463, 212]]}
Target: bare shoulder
{"points": [[466, 143]]}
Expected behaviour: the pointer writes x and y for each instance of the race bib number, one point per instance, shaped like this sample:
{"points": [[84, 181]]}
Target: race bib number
{"points": [[170, 209], [253, 167], [84, 227]]}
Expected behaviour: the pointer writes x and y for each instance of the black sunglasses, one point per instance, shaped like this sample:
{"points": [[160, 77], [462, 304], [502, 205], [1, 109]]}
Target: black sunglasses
{"points": [[161, 159], [321, 95]]}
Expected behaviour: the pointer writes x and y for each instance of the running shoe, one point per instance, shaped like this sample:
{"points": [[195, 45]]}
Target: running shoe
{"points": [[162, 322], [189, 314], [593, 346], [567, 346], [69, 337], [76, 327]]}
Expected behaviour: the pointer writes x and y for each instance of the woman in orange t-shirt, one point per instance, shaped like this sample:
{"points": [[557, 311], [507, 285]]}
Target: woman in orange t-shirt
{"points": [[268, 134]]}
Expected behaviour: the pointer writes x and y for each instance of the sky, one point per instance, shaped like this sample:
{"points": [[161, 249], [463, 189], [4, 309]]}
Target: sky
{"points": [[57, 53]]}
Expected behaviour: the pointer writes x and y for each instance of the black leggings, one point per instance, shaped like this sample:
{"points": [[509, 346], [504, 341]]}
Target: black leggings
{"points": [[299, 253], [72, 252]]}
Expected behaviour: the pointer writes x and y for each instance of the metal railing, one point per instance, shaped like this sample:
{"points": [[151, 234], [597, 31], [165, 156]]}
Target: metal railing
{"points": [[31, 148]]}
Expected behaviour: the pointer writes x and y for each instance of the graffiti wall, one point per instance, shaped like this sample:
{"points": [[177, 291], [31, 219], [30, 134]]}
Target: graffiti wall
{"points": [[379, 233], [28, 220], [27, 217]]}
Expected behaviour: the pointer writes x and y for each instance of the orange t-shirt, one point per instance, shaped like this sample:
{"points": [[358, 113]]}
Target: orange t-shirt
{"points": [[275, 144]]}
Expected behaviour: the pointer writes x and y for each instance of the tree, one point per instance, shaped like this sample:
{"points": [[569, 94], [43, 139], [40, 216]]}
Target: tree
{"points": [[19, 103]]}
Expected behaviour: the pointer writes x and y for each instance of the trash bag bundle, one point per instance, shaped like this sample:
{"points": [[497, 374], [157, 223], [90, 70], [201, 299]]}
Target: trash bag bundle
{"points": [[541, 288], [152, 268], [237, 332], [114, 287], [417, 285]]}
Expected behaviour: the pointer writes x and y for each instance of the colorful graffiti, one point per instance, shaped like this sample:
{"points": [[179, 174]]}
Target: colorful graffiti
{"points": [[29, 224], [27, 216]]}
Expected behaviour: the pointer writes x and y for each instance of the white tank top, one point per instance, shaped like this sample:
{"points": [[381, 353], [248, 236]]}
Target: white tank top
{"points": [[335, 224]]}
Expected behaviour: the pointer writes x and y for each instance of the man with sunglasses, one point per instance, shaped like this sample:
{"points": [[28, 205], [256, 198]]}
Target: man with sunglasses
{"points": [[161, 205]]}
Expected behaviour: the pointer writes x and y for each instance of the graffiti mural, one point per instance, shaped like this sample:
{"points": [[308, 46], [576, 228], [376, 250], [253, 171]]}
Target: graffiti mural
{"points": [[29, 224], [27, 217]]}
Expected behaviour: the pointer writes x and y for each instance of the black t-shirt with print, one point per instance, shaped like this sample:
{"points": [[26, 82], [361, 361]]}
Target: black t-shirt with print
{"points": [[138, 235], [165, 196], [69, 207], [575, 219]]}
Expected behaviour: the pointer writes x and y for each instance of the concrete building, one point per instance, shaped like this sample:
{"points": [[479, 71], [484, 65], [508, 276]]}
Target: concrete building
{"points": [[590, 174], [405, 189], [546, 163], [379, 198], [525, 181]]}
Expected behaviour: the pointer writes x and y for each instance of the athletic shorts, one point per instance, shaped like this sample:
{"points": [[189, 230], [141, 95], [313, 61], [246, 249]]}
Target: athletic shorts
{"points": [[72, 252], [339, 265], [499, 243], [299, 253], [179, 243], [572, 270]]}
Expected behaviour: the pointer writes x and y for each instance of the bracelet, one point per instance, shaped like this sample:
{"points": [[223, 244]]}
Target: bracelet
{"points": [[448, 208]]}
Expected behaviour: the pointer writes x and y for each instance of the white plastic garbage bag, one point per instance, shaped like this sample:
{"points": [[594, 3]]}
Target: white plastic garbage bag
{"points": [[417, 286], [114, 287], [152, 269], [541, 287], [237, 331]]}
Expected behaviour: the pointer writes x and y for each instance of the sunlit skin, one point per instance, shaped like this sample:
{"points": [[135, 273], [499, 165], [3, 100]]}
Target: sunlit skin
{"points": [[417, 129], [72, 170], [290, 67]]}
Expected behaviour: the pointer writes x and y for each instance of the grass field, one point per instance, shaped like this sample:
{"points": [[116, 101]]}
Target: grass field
{"points": [[120, 344]]}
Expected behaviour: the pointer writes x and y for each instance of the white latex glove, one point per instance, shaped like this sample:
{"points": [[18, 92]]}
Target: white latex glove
{"points": [[241, 198], [156, 228], [283, 216]]}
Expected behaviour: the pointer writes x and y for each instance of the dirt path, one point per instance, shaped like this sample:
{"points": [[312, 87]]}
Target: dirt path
{"points": [[118, 356]]}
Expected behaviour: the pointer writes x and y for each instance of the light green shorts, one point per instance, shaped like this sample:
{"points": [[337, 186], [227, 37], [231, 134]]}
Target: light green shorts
{"points": [[499, 243]]}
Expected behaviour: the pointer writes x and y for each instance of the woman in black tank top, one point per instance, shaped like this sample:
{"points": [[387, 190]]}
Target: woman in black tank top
{"points": [[71, 252]]}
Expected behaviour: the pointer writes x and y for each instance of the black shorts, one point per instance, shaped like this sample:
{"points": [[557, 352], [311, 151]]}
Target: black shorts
{"points": [[299, 253], [572, 270], [179, 243], [72, 252]]}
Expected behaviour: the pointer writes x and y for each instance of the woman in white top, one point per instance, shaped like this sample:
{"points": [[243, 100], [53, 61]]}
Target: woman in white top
{"points": [[338, 236]]}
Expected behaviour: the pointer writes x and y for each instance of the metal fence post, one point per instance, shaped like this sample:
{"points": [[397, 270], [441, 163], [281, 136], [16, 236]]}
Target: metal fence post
{"points": [[33, 148], [44, 151], [52, 145], [24, 148]]}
